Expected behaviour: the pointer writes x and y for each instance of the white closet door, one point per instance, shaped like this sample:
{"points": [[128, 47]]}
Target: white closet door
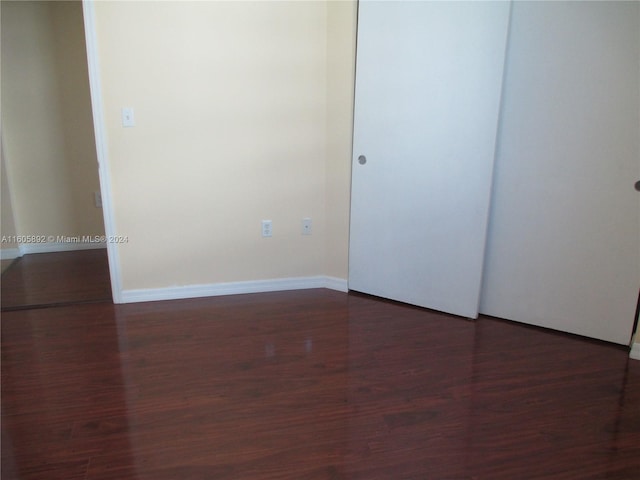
{"points": [[564, 239], [428, 85]]}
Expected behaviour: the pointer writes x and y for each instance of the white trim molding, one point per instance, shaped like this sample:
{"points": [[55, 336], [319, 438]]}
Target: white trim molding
{"points": [[49, 247], [635, 351], [10, 253], [232, 288], [100, 130], [338, 284], [52, 247]]}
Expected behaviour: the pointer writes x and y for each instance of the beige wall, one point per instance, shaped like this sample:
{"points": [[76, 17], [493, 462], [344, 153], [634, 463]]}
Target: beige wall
{"points": [[238, 118], [46, 120], [7, 224]]}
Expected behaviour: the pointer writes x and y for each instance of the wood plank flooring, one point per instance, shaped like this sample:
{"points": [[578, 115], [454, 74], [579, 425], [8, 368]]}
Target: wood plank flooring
{"points": [[48, 279], [311, 384]]}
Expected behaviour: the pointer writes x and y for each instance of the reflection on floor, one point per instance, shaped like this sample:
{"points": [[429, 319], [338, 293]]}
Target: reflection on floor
{"points": [[311, 384], [4, 264], [48, 279]]}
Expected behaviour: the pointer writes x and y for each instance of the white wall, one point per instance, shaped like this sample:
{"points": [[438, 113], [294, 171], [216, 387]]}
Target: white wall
{"points": [[49, 148], [232, 121], [564, 232]]}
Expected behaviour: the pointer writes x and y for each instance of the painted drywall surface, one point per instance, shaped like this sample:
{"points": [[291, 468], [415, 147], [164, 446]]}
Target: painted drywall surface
{"points": [[7, 224], [46, 120], [341, 50], [230, 109], [77, 122], [561, 233], [33, 137]]}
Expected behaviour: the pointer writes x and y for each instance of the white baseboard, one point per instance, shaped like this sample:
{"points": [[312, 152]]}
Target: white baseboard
{"points": [[232, 288], [338, 284], [52, 247], [10, 253], [635, 351], [48, 247]]}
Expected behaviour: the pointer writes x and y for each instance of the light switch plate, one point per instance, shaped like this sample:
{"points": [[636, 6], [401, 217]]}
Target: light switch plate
{"points": [[127, 117]]}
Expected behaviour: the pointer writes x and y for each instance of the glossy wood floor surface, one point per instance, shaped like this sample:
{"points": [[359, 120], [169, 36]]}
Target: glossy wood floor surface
{"points": [[311, 384], [47, 279]]}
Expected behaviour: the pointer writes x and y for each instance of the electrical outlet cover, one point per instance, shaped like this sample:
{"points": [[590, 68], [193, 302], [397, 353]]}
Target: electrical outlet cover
{"points": [[267, 228]]}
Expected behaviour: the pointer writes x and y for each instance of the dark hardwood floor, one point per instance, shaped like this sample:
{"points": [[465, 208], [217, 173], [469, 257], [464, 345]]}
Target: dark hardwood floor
{"points": [[49, 279], [311, 384]]}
